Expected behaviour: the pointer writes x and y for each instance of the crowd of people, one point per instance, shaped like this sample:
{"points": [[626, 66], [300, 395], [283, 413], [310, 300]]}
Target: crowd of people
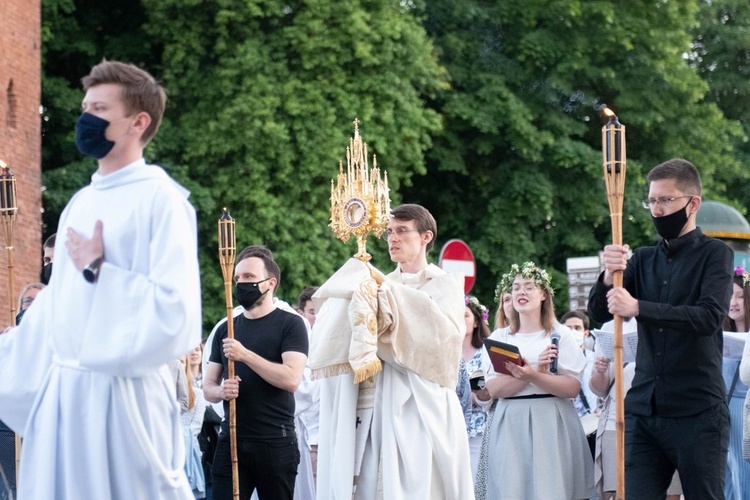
{"points": [[371, 385]]}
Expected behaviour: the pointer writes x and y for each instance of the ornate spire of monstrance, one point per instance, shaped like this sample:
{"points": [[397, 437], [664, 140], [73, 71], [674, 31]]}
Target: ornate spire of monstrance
{"points": [[360, 201]]}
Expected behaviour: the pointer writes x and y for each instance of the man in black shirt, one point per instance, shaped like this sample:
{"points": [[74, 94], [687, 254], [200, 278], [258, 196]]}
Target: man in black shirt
{"points": [[270, 352], [679, 291]]}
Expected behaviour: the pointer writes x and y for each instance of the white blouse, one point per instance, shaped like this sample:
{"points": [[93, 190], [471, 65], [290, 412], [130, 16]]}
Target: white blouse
{"points": [[571, 360]]}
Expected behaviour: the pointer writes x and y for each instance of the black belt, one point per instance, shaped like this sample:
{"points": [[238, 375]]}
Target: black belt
{"points": [[532, 396]]}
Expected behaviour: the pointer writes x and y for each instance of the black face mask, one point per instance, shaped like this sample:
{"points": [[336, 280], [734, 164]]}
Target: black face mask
{"points": [[248, 293], [19, 316], [46, 273], [669, 226], [90, 136]]}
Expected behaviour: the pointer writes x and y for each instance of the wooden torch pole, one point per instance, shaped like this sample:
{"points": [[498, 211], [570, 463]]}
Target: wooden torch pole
{"points": [[614, 161], [8, 212], [227, 252]]}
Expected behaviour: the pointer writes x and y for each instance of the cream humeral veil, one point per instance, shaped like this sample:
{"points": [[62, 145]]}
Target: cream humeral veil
{"points": [[357, 324], [343, 342], [401, 433]]}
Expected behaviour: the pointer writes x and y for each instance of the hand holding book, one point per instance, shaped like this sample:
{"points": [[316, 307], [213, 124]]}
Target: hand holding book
{"points": [[501, 353], [504, 356]]}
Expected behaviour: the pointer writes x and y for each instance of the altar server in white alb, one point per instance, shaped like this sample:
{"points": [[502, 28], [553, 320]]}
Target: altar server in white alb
{"points": [[410, 440], [84, 375]]}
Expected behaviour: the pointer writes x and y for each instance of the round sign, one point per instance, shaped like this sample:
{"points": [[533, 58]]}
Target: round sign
{"points": [[457, 257]]}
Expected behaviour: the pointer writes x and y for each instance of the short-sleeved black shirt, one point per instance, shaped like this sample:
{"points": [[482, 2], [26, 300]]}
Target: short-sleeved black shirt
{"points": [[264, 412]]}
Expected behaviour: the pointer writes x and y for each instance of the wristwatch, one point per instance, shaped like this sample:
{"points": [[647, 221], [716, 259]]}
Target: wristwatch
{"points": [[91, 272]]}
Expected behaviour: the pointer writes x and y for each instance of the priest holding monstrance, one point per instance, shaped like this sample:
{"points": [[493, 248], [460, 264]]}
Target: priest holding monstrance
{"points": [[388, 351]]}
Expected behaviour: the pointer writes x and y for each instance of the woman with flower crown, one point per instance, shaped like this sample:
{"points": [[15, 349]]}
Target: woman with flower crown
{"points": [[476, 316], [737, 482], [534, 446]]}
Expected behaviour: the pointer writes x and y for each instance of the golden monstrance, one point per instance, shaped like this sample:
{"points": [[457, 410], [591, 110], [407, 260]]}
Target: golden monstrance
{"points": [[360, 201]]}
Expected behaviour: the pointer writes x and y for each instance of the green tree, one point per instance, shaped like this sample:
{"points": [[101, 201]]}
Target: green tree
{"points": [[263, 94], [517, 169], [721, 54], [76, 34], [483, 112]]}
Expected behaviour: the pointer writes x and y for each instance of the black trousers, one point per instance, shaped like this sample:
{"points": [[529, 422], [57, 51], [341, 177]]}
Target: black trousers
{"points": [[695, 446], [271, 468], [7, 462]]}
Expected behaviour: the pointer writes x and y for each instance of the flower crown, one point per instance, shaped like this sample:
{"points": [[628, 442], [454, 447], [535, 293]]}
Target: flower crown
{"points": [[740, 272], [527, 270], [474, 304]]}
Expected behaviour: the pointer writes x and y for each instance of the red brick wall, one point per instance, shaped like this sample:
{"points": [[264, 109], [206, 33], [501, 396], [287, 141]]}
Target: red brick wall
{"points": [[20, 139]]}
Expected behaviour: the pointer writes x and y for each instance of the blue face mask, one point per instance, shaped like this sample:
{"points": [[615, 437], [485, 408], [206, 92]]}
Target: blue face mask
{"points": [[90, 136]]}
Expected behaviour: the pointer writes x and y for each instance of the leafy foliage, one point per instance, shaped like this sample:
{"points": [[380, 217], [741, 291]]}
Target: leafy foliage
{"points": [[77, 34], [484, 112], [721, 54], [516, 171], [262, 98]]}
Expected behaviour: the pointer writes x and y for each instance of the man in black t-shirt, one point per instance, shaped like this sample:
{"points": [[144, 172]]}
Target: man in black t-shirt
{"points": [[270, 352]]}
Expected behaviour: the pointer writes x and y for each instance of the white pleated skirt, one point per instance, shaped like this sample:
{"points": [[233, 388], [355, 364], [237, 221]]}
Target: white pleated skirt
{"points": [[535, 449]]}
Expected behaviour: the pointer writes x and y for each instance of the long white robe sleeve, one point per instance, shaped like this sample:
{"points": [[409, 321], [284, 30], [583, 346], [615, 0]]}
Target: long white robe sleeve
{"points": [[84, 375]]}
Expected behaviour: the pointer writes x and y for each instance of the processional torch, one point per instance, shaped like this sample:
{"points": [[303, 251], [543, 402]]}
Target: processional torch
{"points": [[614, 161], [227, 252], [8, 212], [360, 201]]}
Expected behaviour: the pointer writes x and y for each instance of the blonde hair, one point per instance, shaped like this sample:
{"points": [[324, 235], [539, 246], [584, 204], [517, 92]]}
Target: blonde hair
{"points": [[30, 286], [189, 376], [501, 320]]}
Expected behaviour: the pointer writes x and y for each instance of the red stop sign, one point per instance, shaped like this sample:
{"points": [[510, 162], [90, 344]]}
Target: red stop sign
{"points": [[457, 257]]}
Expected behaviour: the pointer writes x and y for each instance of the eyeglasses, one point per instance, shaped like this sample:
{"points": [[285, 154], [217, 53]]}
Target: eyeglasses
{"points": [[527, 288], [399, 231], [650, 203]]}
